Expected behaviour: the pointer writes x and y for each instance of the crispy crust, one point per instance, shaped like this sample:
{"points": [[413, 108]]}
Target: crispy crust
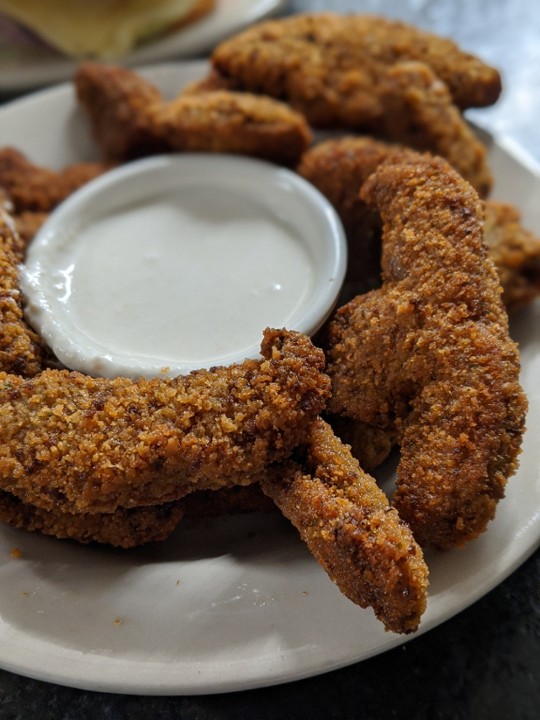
{"points": [[130, 528], [370, 445], [330, 67], [118, 461], [130, 119], [516, 253], [118, 102], [225, 121], [31, 188], [366, 73], [123, 528], [418, 112], [91, 444], [339, 167], [20, 348], [428, 355], [30, 192], [347, 523]]}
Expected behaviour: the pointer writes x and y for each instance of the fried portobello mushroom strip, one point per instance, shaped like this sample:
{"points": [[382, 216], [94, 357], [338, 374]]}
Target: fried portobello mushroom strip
{"points": [[122, 528], [339, 167], [86, 444], [30, 192], [346, 521], [367, 73], [128, 528], [428, 355], [20, 348], [328, 66], [130, 119]]}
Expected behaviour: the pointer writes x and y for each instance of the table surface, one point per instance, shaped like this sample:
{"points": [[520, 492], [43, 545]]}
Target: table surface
{"points": [[483, 663]]}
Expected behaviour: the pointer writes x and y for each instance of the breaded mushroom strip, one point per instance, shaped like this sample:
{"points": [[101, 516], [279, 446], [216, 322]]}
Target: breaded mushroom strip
{"points": [[122, 528], [128, 528], [33, 188], [428, 355], [515, 251], [224, 121], [30, 192], [329, 66], [83, 444], [339, 167], [347, 523], [418, 112], [118, 102], [20, 349], [130, 119], [370, 74]]}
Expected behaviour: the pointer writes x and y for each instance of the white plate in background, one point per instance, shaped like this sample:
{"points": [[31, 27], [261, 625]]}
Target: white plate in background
{"points": [[198, 38], [236, 602]]}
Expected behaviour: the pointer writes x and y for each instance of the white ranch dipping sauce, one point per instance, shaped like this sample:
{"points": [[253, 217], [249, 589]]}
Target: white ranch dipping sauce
{"points": [[185, 275]]}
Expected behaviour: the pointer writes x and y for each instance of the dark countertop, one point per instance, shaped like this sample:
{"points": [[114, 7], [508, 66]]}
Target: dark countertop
{"points": [[483, 663]]}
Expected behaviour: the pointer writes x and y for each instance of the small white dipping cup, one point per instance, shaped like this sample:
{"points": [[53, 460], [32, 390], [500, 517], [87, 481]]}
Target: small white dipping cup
{"points": [[255, 188]]}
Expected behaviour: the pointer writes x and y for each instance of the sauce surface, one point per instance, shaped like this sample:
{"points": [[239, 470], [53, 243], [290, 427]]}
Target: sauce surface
{"points": [[182, 279]]}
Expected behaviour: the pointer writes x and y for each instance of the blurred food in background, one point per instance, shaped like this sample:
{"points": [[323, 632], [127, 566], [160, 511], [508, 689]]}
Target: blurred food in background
{"points": [[97, 29]]}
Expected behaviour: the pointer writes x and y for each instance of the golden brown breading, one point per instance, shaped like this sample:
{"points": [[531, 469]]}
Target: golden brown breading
{"points": [[33, 188], [29, 192], [128, 528], [515, 251], [20, 350], [418, 112], [367, 73], [428, 355], [338, 167], [233, 122], [122, 528], [349, 526], [91, 444], [130, 119], [339, 510], [331, 67], [118, 102], [371, 446]]}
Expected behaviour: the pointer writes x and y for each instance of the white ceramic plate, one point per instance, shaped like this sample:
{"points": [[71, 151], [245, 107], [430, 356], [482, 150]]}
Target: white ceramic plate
{"points": [[238, 602], [228, 17]]}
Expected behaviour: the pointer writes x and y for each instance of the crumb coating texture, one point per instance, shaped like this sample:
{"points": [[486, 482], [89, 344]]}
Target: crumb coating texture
{"points": [[92, 444], [428, 355], [349, 526]]}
